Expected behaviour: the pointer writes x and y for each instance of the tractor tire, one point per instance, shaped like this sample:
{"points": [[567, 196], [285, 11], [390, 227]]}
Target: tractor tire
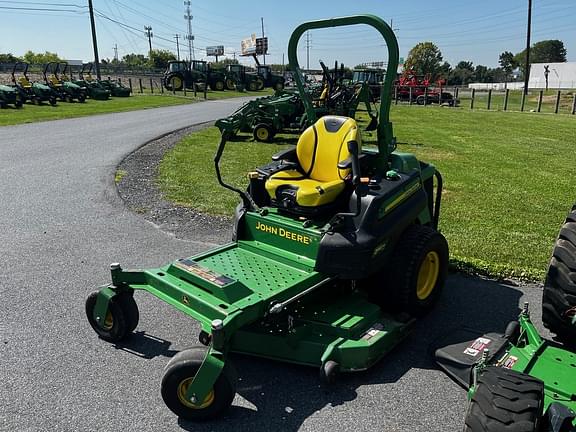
{"points": [[263, 132], [253, 86], [230, 84], [179, 373], [174, 82], [217, 85], [260, 84], [418, 269], [421, 100], [121, 320], [559, 295], [505, 400], [279, 86]]}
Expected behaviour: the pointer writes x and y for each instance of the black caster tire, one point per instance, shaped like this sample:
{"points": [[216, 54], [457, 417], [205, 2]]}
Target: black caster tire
{"points": [[559, 295], [419, 269], [205, 338], [512, 332], [329, 372], [121, 320], [82, 98], [178, 375], [52, 101], [263, 133], [505, 400]]}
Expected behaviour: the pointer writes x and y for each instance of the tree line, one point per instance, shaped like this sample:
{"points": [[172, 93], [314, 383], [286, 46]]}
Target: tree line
{"points": [[425, 58]]}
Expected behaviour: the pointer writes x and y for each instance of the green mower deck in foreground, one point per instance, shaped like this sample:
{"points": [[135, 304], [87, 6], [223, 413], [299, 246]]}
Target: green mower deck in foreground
{"points": [[335, 253]]}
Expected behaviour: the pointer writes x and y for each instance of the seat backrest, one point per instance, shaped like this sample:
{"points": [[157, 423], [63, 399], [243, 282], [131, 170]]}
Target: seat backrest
{"points": [[24, 82], [324, 144]]}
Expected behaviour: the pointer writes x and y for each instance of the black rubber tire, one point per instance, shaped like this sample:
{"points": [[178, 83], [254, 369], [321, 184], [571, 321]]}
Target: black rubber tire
{"points": [[184, 366], [259, 84], [512, 332], [52, 101], [204, 338], [329, 372], [413, 247], [559, 295], [420, 100], [170, 85], [253, 85], [218, 85], [124, 314], [230, 84], [279, 86], [263, 132], [505, 401]]}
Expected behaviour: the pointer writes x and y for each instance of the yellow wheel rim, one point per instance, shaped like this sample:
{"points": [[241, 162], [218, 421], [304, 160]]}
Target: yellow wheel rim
{"points": [[109, 321], [183, 388], [176, 82], [428, 275], [262, 134]]}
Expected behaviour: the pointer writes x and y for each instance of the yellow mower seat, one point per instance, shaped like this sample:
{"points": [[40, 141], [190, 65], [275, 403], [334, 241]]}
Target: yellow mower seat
{"points": [[320, 148], [24, 82]]}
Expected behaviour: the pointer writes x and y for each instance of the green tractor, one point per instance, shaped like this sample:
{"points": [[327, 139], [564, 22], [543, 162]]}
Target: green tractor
{"points": [[518, 381], [10, 96], [64, 89], [237, 77], [94, 88], [269, 78], [180, 74], [335, 253], [31, 91]]}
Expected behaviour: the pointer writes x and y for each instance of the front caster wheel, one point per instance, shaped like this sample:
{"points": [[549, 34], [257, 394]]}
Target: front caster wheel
{"points": [[179, 374], [329, 372], [121, 319]]}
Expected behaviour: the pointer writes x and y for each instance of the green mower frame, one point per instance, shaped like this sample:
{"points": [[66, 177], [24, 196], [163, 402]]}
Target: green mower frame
{"points": [[34, 92], [334, 287]]}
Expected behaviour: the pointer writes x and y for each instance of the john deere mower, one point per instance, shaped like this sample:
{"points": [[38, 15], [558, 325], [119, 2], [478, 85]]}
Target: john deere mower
{"points": [[116, 88], [10, 96], [31, 91], [56, 79], [335, 253], [94, 88], [518, 381]]}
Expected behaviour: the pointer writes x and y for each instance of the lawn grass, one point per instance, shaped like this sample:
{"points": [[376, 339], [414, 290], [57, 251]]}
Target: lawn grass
{"points": [[508, 180], [34, 113]]}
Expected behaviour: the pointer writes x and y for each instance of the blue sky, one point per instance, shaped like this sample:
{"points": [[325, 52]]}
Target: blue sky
{"points": [[463, 30]]}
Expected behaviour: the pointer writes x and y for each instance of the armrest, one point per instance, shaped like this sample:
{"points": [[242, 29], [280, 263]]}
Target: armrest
{"points": [[347, 163], [288, 154]]}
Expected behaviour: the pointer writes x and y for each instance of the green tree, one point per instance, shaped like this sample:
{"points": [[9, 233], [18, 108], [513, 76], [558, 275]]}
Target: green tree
{"points": [[160, 58], [223, 63], [508, 63], [462, 74], [482, 74], [9, 58], [546, 51], [135, 60], [41, 58], [425, 58]]}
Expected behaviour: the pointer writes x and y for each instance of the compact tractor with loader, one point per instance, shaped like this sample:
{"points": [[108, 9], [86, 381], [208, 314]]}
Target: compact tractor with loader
{"points": [[518, 381], [181, 74], [56, 79], [335, 253], [34, 92]]}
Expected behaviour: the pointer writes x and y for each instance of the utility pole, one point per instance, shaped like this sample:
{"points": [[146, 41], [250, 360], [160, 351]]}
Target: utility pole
{"points": [[94, 43], [263, 46], [527, 64], [189, 36], [177, 46], [307, 51], [150, 35], [116, 53]]}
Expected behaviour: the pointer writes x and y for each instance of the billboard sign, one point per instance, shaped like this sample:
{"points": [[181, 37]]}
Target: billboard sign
{"points": [[254, 46], [217, 50]]}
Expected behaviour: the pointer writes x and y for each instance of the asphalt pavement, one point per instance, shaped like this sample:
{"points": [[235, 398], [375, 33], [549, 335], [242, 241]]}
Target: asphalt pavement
{"points": [[62, 223]]}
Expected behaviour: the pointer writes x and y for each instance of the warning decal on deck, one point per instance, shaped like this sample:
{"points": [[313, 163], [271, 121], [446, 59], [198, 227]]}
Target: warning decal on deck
{"points": [[204, 273], [510, 362], [476, 347]]}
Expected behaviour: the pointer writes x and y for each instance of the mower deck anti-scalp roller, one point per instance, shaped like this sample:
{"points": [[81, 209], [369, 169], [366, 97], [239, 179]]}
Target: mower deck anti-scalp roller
{"points": [[335, 253]]}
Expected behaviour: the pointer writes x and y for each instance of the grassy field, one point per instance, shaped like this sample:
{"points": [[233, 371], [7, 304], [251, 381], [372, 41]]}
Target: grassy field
{"points": [[33, 113], [509, 180]]}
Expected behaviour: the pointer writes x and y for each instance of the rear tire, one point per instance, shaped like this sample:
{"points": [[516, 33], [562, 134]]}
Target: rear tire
{"points": [[179, 373], [230, 84], [505, 400], [418, 268], [218, 85], [253, 86], [559, 295]]}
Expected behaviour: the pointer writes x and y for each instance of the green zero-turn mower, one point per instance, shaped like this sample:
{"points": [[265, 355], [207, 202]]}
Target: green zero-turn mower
{"points": [[34, 92], [335, 253], [65, 90], [518, 381], [94, 88], [10, 96]]}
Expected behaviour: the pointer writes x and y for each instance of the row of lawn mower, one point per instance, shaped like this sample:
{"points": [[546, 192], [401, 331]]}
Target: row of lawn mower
{"points": [[285, 111], [200, 74], [58, 86], [335, 253]]}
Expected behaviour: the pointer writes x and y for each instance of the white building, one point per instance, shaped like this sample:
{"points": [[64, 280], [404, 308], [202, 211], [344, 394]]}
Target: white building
{"points": [[560, 75]]}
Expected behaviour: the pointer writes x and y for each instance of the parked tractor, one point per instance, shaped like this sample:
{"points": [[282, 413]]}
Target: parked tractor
{"points": [[34, 92], [94, 88], [57, 80], [335, 255], [270, 79], [238, 77], [180, 74], [373, 77]]}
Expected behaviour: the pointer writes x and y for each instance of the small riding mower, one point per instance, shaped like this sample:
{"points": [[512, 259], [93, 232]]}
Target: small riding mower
{"points": [[518, 381], [335, 253], [31, 91], [10, 96], [94, 88], [116, 88], [64, 89]]}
